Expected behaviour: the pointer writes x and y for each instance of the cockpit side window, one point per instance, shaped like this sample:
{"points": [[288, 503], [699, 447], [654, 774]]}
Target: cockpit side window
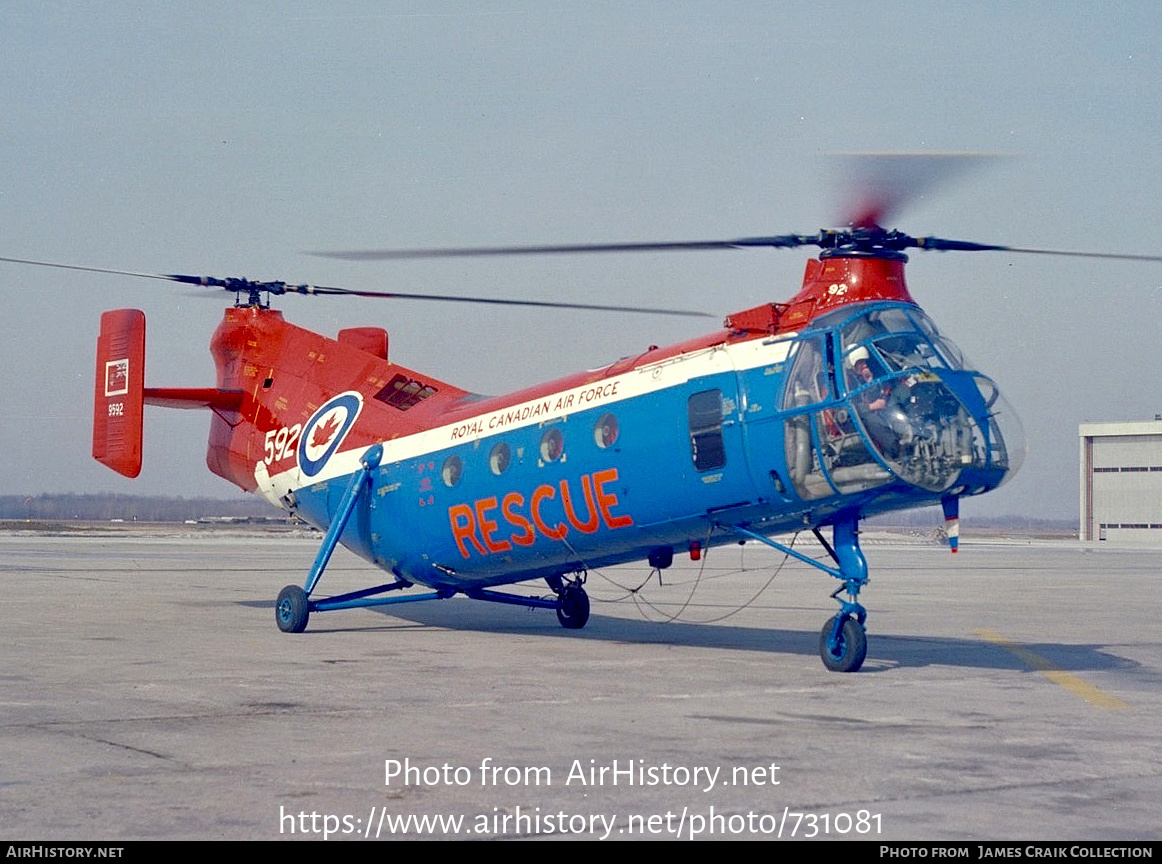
{"points": [[807, 383]]}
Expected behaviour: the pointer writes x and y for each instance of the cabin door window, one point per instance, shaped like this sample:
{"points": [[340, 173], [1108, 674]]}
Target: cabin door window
{"points": [[704, 413]]}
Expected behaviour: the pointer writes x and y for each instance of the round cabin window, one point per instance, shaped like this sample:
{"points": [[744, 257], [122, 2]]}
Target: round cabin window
{"points": [[452, 470], [552, 445], [499, 458], [605, 432]]}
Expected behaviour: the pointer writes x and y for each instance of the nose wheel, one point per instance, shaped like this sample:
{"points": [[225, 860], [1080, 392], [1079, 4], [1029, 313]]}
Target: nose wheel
{"points": [[843, 644]]}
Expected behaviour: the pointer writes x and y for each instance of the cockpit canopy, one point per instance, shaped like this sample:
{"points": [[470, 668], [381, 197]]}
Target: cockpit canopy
{"points": [[896, 400]]}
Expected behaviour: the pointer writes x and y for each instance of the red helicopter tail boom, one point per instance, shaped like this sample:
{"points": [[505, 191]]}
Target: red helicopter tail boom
{"points": [[120, 394]]}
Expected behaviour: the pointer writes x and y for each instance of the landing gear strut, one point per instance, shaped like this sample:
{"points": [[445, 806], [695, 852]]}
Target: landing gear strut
{"points": [[294, 605], [843, 640]]}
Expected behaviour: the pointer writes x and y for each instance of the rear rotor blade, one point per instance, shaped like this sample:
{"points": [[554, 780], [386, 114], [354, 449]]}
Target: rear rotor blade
{"points": [[84, 269], [454, 298], [254, 289]]}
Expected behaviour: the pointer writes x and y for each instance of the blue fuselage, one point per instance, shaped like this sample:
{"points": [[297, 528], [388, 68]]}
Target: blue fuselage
{"points": [[868, 410]]}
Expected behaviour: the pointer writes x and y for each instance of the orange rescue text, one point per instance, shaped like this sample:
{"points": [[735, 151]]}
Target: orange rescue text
{"points": [[494, 524]]}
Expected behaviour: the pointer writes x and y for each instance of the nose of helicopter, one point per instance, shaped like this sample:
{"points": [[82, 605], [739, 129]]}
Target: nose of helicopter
{"points": [[1006, 435], [946, 430]]}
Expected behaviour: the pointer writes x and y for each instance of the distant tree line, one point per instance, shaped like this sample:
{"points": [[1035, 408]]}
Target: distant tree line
{"points": [[103, 507], [933, 517], [99, 507]]}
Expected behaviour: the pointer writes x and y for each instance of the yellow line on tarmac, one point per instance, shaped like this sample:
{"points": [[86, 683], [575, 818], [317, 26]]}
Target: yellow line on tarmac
{"points": [[1068, 680]]}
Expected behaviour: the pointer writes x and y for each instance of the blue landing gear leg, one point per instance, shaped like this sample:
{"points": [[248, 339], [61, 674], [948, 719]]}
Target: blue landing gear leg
{"points": [[843, 640], [571, 602], [293, 608]]}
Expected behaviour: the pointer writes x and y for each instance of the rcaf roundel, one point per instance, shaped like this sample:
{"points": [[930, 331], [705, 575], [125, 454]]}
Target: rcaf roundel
{"points": [[326, 429], [117, 377]]}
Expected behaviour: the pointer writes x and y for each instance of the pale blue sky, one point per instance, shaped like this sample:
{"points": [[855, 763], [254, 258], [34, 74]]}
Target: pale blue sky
{"points": [[228, 138]]}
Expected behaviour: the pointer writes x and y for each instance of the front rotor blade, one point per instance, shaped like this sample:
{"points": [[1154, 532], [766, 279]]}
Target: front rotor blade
{"points": [[780, 241], [939, 245]]}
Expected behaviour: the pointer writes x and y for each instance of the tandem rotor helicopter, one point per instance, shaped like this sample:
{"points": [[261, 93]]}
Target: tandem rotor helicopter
{"points": [[816, 412]]}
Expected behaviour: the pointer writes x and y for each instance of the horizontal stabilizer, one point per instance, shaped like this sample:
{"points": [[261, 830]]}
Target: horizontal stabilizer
{"points": [[193, 397]]}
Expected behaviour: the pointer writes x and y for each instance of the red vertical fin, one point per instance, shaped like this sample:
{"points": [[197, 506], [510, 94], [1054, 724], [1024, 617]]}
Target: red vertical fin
{"points": [[118, 401]]}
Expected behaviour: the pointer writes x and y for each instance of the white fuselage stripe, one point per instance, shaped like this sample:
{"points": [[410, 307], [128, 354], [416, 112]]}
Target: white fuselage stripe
{"points": [[649, 378]]}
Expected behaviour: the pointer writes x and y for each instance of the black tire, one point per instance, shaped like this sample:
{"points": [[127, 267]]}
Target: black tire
{"points": [[573, 610], [852, 646], [292, 609]]}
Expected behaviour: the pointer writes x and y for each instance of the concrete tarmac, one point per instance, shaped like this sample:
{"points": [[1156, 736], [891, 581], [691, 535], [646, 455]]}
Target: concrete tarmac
{"points": [[1011, 692]]}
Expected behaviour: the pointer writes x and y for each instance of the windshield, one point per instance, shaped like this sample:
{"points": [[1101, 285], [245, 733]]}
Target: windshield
{"points": [[896, 340]]}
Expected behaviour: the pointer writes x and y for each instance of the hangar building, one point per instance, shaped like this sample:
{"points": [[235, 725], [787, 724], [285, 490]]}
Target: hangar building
{"points": [[1121, 481]]}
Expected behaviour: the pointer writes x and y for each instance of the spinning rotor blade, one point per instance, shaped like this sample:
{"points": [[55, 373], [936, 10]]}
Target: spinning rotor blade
{"points": [[83, 269], [254, 289], [878, 185]]}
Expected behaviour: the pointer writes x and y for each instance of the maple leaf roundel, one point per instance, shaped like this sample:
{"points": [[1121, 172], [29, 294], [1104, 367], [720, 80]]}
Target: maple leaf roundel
{"points": [[325, 431]]}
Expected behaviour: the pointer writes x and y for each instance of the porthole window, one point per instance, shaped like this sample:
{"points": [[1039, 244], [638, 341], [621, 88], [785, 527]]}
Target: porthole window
{"points": [[499, 458], [452, 470], [552, 445], [605, 432]]}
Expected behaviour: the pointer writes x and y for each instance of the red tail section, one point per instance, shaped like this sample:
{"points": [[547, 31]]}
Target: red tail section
{"points": [[272, 377], [120, 393], [119, 396]]}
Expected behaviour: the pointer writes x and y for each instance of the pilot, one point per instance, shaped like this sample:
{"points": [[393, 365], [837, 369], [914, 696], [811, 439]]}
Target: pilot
{"points": [[874, 398], [860, 373], [878, 405]]}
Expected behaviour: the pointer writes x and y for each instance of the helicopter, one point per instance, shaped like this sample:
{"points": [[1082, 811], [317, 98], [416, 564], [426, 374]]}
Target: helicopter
{"points": [[843, 402]]}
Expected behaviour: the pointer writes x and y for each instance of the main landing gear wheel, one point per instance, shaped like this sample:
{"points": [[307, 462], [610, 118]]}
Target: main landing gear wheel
{"points": [[292, 609], [573, 610], [852, 648]]}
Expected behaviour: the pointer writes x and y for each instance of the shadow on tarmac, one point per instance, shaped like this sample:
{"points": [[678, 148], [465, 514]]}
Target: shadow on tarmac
{"points": [[885, 651]]}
